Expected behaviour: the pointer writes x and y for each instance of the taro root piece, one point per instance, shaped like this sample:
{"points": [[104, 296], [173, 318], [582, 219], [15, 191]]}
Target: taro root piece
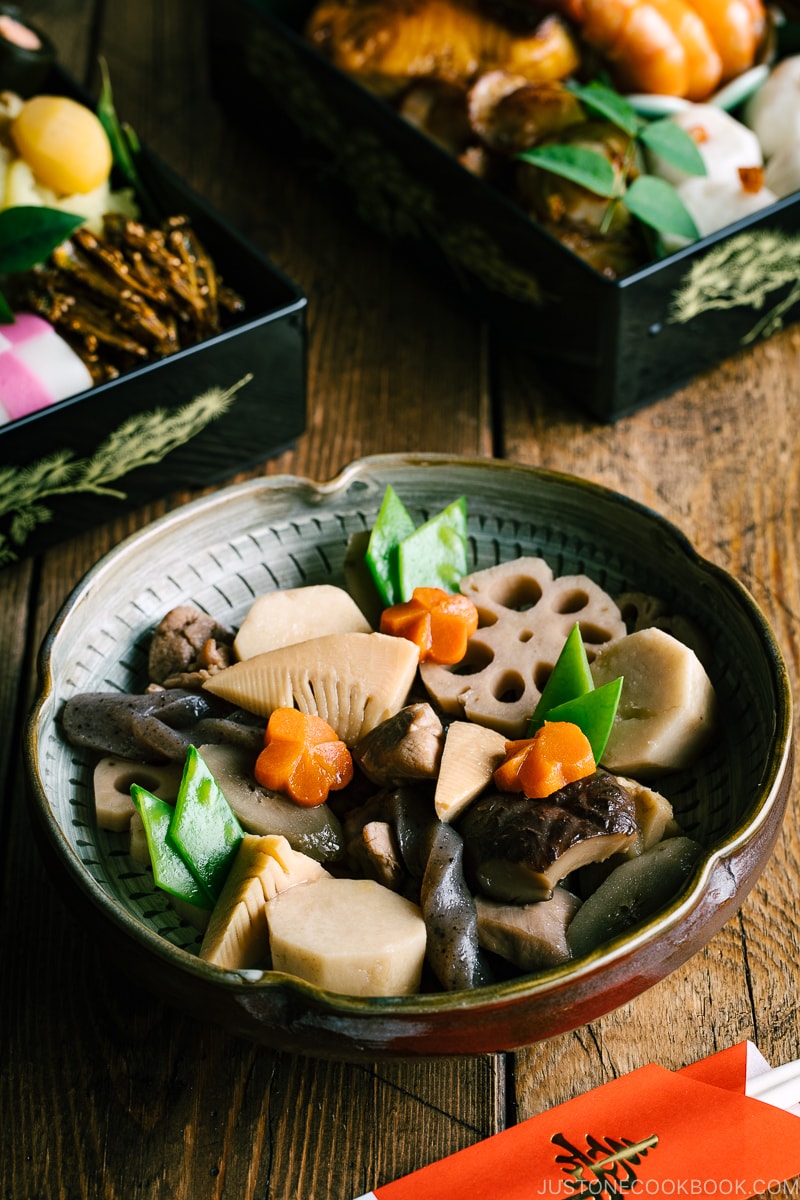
{"points": [[633, 892], [315, 832], [517, 850], [237, 937], [525, 616], [386, 45], [112, 781], [352, 680], [470, 756], [283, 618], [531, 936], [451, 919], [187, 646], [667, 707], [152, 727], [406, 746], [509, 114], [349, 936]]}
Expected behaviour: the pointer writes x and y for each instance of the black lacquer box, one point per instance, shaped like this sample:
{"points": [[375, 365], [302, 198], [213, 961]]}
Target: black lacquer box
{"points": [[184, 421], [614, 345]]}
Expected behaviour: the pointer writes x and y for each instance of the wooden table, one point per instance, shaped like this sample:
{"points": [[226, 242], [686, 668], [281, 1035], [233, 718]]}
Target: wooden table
{"points": [[106, 1092]]}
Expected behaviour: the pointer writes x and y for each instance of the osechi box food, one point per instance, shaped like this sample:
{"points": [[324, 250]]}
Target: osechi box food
{"points": [[617, 332], [117, 408]]}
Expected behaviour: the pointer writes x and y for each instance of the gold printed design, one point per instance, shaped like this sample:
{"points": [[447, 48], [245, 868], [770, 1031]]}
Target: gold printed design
{"points": [[604, 1168], [745, 271], [385, 194], [140, 441]]}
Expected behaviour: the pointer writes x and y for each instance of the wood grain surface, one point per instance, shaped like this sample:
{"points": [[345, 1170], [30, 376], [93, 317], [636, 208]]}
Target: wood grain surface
{"points": [[105, 1092]]}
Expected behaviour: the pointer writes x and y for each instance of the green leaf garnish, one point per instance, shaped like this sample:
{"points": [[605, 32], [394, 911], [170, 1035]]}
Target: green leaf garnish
{"points": [[584, 167], [651, 200], [28, 233], [603, 100], [672, 143], [656, 203]]}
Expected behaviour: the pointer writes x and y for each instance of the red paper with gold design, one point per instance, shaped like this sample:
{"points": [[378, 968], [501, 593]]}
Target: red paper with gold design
{"points": [[652, 1132]]}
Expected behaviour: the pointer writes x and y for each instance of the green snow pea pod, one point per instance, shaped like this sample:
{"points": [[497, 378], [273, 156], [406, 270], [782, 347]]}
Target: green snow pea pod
{"points": [[204, 829], [392, 525], [435, 554], [169, 870], [570, 677]]}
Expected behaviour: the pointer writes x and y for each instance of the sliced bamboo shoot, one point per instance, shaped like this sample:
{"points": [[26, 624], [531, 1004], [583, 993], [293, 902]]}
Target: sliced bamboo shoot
{"points": [[351, 936], [470, 755], [237, 935], [352, 680], [294, 615]]}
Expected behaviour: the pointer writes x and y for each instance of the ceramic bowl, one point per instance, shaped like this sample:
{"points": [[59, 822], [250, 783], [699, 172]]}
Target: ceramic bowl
{"points": [[222, 550]]}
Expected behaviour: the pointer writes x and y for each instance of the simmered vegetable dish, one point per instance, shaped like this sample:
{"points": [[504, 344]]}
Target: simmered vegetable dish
{"points": [[426, 781]]}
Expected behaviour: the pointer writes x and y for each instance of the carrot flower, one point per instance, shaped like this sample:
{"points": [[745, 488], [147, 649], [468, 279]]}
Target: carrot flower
{"points": [[302, 758], [557, 754], [439, 622]]}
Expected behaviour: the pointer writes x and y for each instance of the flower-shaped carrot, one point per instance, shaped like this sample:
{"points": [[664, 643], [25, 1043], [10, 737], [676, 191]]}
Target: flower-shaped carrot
{"points": [[557, 754], [302, 758], [439, 623]]}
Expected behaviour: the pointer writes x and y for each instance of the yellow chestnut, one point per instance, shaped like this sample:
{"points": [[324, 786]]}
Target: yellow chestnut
{"points": [[63, 143]]}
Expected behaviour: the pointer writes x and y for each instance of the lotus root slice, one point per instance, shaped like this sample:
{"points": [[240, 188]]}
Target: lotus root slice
{"points": [[525, 616]]}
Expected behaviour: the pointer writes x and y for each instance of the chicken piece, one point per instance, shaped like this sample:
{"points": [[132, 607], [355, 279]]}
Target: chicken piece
{"points": [[404, 747], [381, 857], [387, 45], [187, 647], [532, 936]]}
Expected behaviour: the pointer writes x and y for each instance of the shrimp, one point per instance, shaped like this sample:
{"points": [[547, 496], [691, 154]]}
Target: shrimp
{"points": [[659, 46], [672, 47], [737, 28]]}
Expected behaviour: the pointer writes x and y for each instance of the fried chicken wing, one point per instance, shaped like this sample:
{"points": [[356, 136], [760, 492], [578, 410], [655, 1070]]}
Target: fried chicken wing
{"points": [[386, 44]]}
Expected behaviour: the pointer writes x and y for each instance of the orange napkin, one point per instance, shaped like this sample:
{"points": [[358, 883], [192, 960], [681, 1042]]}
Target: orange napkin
{"points": [[652, 1132]]}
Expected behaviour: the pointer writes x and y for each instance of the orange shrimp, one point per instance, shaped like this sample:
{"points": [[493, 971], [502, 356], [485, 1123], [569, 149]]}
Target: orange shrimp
{"points": [[737, 28], [672, 47], [659, 46]]}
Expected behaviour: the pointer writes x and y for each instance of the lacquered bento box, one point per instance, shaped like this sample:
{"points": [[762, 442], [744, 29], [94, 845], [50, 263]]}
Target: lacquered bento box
{"points": [[615, 345], [183, 421]]}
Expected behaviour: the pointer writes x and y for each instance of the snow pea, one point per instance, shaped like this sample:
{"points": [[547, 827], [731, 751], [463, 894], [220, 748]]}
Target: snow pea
{"points": [[570, 695], [570, 677], [392, 525], [435, 554], [169, 870], [204, 830]]}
